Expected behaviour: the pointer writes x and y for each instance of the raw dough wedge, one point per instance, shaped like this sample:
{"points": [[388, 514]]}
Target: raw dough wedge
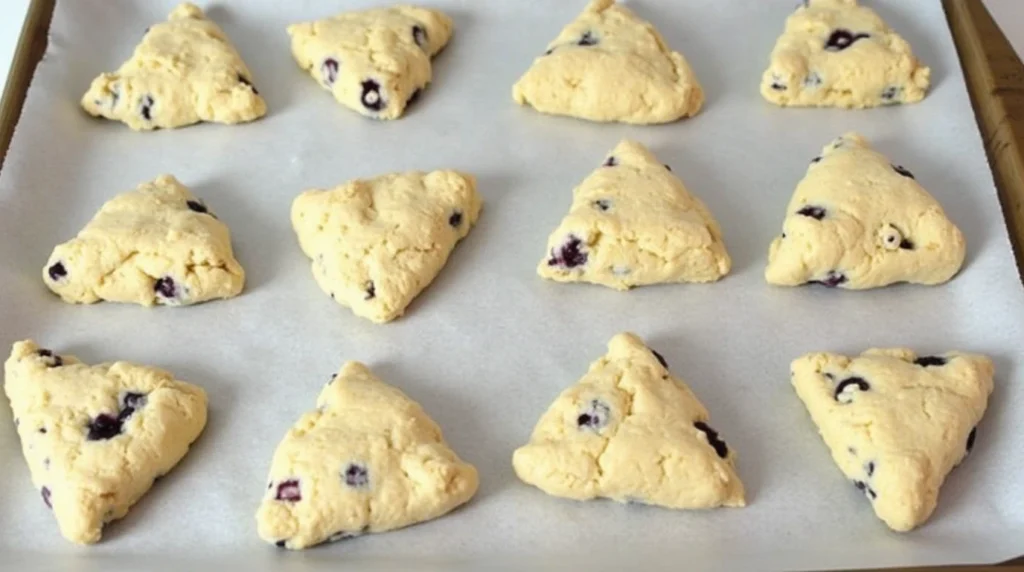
{"points": [[158, 244], [858, 221], [631, 432], [376, 61], [97, 437], [610, 65], [632, 223], [367, 460], [184, 71], [377, 243], [896, 423], [836, 53]]}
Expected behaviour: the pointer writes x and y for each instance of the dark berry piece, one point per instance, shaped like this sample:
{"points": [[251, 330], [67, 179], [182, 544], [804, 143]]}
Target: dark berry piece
{"points": [[602, 204], [817, 213], [51, 359], [907, 244], [198, 207], [371, 97], [889, 94], [329, 71], [832, 279], [816, 159], [669, 168], [280, 543], [841, 39], [846, 388], [867, 490], [970, 439], [548, 51], [719, 445], [245, 81], [870, 468], [166, 288], [57, 271], [42, 430], [812, 80], [595, 417], [288, 491], [587, 39], [103, 427], [371, 290], [570, 254], [926, 361], [660, 359], [456, 219], [778, 86], [610, 162], [46, 497], [419, 35], [901, 170], [130, 403], [146, 107], [356, 476]]}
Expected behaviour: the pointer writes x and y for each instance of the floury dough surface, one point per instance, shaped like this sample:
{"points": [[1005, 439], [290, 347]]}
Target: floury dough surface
{"points": [[633, 223], [184, 71], [96, 438], [156, 245], [610, 65], [367, 460], [895, 422], [837, 53], [858, 221], [375, 62], [377, 243], [631, 432]]}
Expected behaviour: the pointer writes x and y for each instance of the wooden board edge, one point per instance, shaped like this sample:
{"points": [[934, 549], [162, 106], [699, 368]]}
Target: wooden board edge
{"points": [[29, 51], [995, 81]]}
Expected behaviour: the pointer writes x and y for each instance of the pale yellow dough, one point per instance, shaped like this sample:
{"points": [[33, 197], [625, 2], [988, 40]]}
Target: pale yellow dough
{"points": [[632, 223], [857, 221], [610, 65], [367, 460], [97, 437], [184, 71], [836, 53], [631, 432], [377, 243], [896, 423], [373, 61], [158, 244]]}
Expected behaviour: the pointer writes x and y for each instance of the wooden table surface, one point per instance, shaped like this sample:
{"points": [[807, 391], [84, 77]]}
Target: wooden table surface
{"points": [[995, 80]]}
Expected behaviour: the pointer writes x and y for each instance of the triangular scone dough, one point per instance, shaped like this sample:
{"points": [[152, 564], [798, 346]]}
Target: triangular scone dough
{"points": [[373, 61], [630, 431], [610, 65], [896, 423], [857, 221], [632, 222], [368, 459], [835, 53], [97, 437], [377, 243], [158, 244], [184, 71]]}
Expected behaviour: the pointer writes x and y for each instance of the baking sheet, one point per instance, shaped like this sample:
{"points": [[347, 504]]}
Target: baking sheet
{"points": [[489, 345]]}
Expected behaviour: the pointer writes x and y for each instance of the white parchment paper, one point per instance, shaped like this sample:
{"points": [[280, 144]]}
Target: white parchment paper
{"points": [[489, 345]]}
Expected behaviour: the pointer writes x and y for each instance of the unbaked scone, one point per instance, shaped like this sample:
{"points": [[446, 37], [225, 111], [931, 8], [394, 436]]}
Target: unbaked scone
{"points": [[632, 222], [896, 423], [368, 459], [158, 244], [377, 243], [97, 437], [610, 65], [184, 71], [373, 61], [858, 221], [835, 53], [631, 432]]}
